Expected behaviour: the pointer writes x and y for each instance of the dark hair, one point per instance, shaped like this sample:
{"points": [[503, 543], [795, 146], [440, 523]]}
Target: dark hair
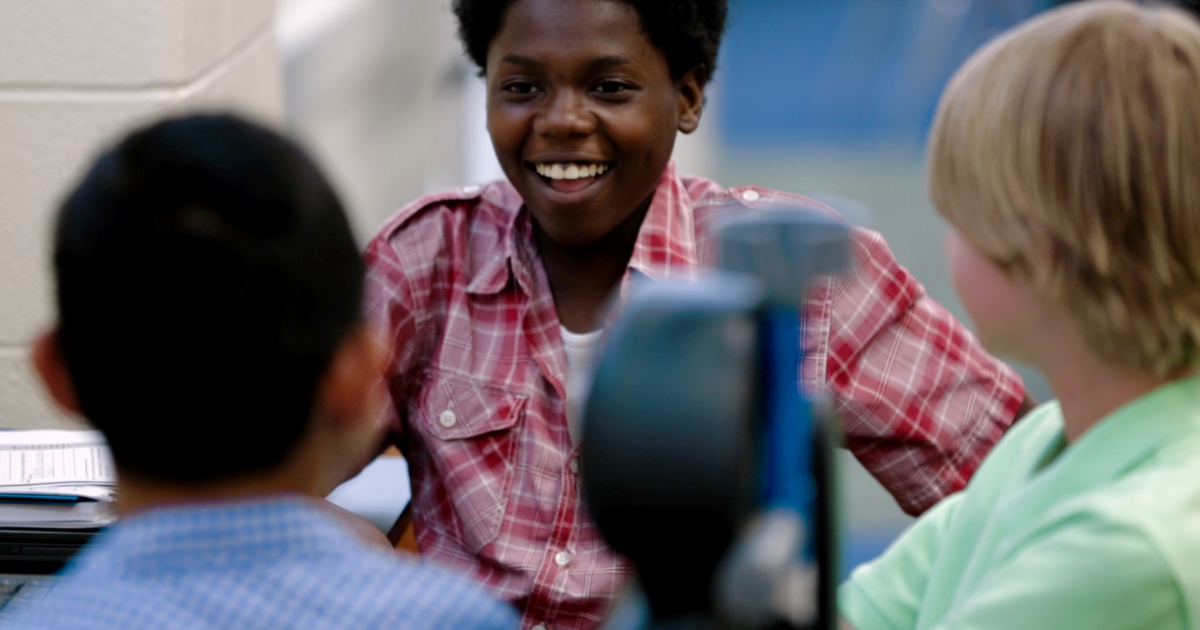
{"points": [[206, 274], [688, 31]]}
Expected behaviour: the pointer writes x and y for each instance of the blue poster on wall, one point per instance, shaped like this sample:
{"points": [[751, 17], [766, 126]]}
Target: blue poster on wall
{"points": [[848, 71]]}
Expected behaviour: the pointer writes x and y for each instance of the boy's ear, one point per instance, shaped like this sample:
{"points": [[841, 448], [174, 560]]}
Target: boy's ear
{"points": [[348, 391], [51, 367], [691, 98]]}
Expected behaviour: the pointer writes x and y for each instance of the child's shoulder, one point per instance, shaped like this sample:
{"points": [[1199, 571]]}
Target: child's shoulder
{"points": [[452, 213], [1153, 496], [443, 597], [1159, 496], [706, 193], [711, 202]]}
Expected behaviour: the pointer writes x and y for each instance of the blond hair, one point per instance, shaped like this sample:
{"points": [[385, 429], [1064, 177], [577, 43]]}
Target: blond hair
{"points": [[1068, 151]]}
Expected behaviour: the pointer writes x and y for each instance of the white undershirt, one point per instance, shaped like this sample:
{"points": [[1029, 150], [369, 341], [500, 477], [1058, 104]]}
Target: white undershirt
{"points": [[579, 348]]}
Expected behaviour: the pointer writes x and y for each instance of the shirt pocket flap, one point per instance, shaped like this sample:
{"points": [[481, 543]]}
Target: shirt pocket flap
{"points": [[459, 408]]}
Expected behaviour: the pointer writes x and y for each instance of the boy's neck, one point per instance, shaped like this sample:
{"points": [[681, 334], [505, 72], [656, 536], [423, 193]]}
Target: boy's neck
{"points": [[583, 277], [1089, 389], [137, 494]]}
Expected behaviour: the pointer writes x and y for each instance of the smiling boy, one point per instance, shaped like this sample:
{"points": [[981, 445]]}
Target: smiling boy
{"points": [[1064, 156], [495, 296]]}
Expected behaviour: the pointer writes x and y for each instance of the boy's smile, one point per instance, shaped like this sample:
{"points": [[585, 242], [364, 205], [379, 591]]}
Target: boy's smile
{"points": [[569, 177], [583, 113]]}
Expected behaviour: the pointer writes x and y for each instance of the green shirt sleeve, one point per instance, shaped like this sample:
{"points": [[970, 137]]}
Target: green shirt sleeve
{"points": [[886, 594], [1093, 573]]}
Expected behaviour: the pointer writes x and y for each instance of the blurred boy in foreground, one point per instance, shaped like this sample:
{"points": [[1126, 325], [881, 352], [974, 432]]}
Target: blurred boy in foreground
{"points": [[1065, 155], [209, 304]]}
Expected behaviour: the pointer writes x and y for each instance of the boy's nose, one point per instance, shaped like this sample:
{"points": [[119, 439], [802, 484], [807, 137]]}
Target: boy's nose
{"points": [[565, 115]]}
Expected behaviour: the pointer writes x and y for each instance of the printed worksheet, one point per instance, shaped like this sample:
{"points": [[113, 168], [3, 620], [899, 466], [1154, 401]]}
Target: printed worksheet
{"points": [[41, 459]]}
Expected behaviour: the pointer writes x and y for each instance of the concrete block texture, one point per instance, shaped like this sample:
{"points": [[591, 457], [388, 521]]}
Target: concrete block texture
{"points": [[50, 136], [132, 43], [46, 145], [221, 54], [23, 405]]}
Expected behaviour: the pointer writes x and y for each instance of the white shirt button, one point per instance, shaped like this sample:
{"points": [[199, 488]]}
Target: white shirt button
{"points": [[470, 189], [447, 418], [574, 465], [562, 558], [750, 195], [539, 627]]}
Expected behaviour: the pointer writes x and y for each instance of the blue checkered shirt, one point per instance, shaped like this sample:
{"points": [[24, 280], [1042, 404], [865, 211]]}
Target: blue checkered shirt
{"points": [[281, 563]]}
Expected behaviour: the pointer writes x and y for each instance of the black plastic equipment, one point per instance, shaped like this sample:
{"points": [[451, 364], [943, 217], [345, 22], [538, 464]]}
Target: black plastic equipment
{"points": [[676, 450]]}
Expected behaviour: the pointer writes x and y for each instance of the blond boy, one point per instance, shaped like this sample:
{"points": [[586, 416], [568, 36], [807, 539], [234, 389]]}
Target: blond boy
{"points": [[1066, 157]]}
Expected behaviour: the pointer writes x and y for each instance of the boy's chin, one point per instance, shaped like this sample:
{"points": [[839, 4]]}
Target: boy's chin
{"points": [[573, 236], [573, 227]]}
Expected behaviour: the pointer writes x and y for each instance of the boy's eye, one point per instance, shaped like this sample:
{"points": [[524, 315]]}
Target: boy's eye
{"points": [[613, 87], [519, 87]]}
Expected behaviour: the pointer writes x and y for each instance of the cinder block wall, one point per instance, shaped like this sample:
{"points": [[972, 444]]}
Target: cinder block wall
{"points": [[73, 75]]}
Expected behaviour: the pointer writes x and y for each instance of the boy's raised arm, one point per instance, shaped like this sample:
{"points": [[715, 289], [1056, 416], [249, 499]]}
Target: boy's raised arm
{"points": [[392, 307], [921, 401]]}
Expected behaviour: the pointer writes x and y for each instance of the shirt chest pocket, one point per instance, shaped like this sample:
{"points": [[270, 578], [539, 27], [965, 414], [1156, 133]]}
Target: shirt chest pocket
{"points": [[472, 443]]}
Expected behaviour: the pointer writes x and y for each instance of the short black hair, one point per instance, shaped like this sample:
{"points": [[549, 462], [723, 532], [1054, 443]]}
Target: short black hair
{"points": [[206, 273], [689, 32]]}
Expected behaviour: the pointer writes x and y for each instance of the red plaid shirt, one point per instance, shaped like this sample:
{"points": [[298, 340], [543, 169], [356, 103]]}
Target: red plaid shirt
{"points": [[478, 383]]}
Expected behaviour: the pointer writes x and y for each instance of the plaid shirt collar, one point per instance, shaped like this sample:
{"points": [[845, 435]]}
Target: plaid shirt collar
{"points": [[665, 246]]}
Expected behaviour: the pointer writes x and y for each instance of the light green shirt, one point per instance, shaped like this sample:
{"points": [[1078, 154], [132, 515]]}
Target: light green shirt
{"points": [[1102, 534]]}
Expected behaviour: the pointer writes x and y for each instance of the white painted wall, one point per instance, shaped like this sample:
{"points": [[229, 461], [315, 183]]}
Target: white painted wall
{"points": [[374, 91], [74, 74]]}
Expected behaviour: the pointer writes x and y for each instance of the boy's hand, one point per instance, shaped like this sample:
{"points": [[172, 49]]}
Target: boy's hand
{"points": [[1027, 405]]}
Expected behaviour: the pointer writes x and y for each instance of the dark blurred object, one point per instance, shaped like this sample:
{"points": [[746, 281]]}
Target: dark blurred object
{"points": [[669, 446], [702, 461]]}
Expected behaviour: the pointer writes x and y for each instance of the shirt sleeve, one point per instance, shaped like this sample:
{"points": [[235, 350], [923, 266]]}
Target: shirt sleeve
{"points": [[886, 594], [394, 304], [1091, 574], [921, 401]]}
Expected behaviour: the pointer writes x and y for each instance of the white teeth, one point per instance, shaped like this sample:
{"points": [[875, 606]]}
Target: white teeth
{"points": [[570, 171]]}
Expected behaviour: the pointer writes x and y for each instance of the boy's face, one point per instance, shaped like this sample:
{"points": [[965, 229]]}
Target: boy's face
{"points": [[576, 83], [1007, 313]]}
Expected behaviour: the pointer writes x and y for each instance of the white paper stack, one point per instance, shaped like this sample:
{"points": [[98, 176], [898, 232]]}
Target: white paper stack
{"points": [[58, 479]]}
